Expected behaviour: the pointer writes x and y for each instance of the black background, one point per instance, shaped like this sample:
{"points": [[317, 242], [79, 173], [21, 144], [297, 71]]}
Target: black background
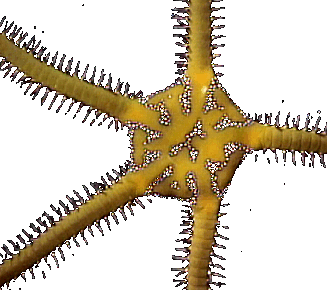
{"points": [[274, 58]]}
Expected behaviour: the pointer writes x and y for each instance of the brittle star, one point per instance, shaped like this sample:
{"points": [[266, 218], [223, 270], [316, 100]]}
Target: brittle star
{"points": [[168, 156]]}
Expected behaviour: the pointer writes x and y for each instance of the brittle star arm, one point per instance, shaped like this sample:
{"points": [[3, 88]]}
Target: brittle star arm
{"points": [[259, 136], [106, 101], [69, 226]]}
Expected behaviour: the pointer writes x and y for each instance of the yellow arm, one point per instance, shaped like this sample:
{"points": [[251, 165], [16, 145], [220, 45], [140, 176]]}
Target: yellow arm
{"points": [[69, 226], [199, 51], [259, 136], [114, 104]]}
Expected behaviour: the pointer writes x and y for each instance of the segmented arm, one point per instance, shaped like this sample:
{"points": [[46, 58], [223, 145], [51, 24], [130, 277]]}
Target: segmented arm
{"points": [[199, 51], [112, 103], [200, 35], [260, 136], [205, 219], [69, 226]]}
